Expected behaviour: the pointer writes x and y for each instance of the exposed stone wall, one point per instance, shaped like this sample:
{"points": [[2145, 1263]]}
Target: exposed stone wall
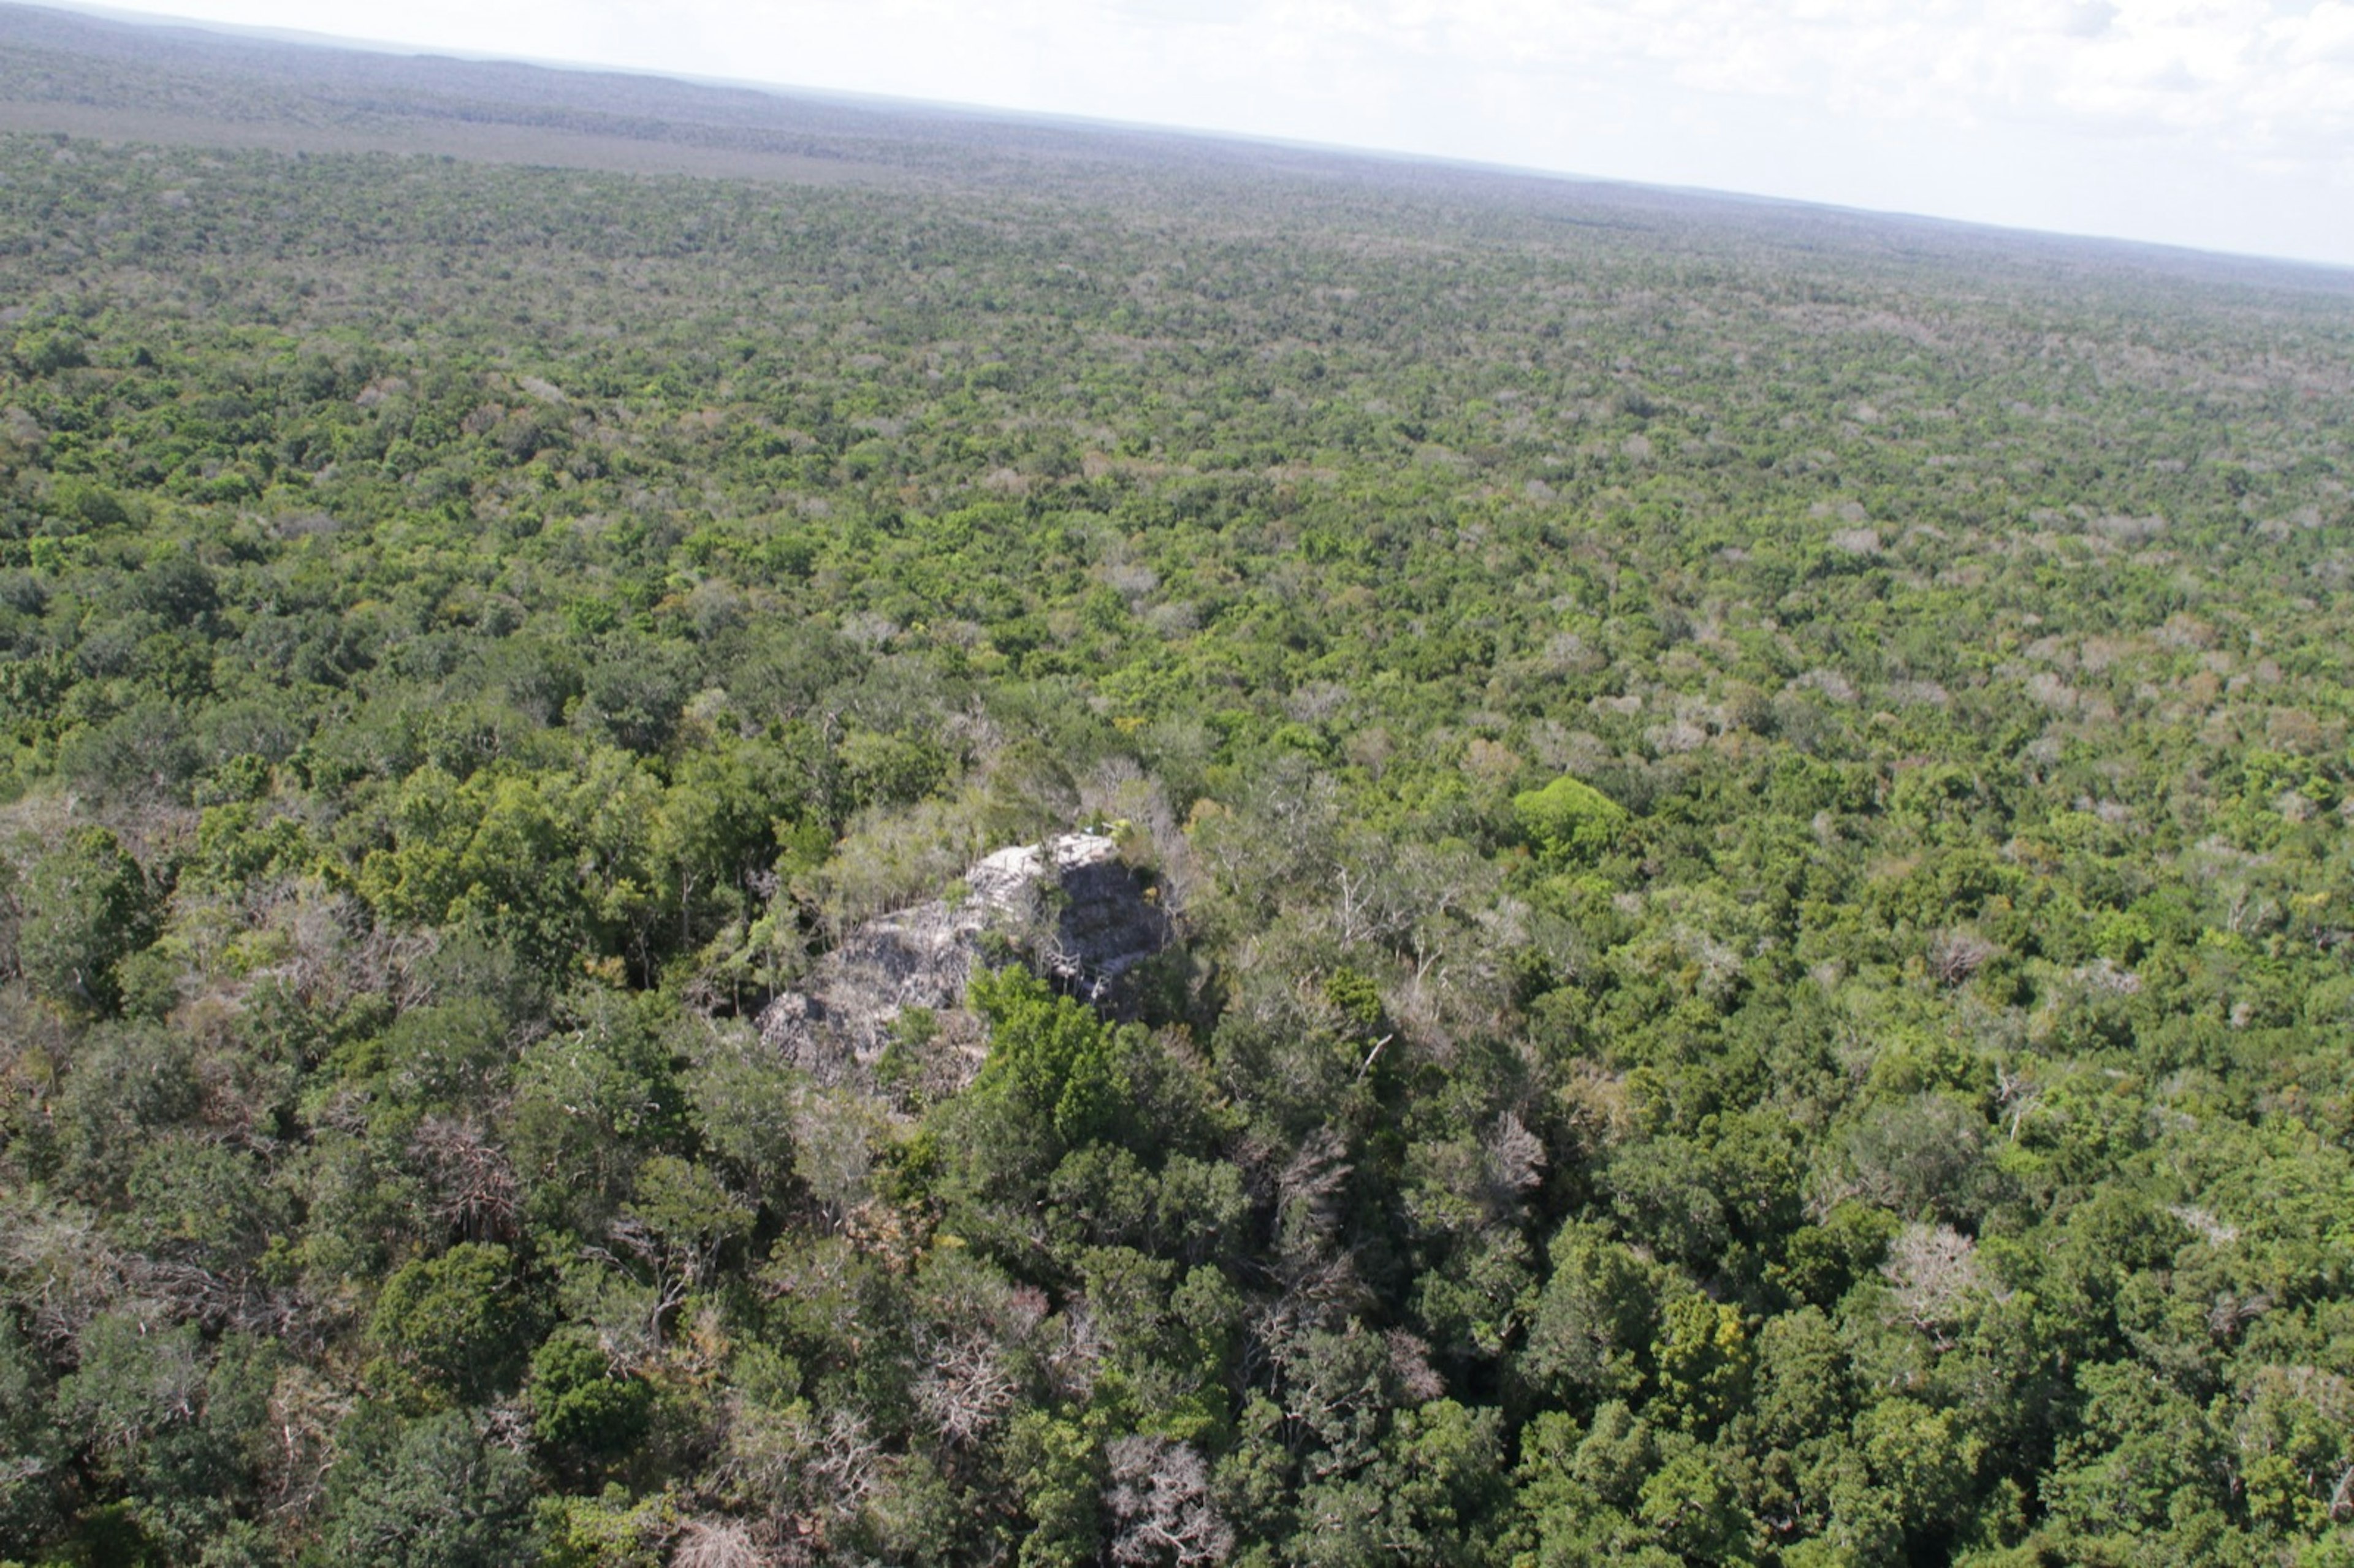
{"points": [[1071, 906]]}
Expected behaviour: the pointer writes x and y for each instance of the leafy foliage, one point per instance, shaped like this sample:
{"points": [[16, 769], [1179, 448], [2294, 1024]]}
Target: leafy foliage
{"points": [[1755, 803]]}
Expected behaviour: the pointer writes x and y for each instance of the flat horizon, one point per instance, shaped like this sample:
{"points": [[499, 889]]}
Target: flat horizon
{"points": [[2301, 231]]}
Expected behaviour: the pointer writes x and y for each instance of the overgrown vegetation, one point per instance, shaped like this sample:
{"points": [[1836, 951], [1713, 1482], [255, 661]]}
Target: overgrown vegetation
{"points": [[1759, 815]]}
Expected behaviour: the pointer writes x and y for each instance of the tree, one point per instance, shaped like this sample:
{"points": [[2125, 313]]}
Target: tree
{"points": [[1594, 1320], [1569, 821], [1923, 1464], [1704, 1363], [581, 1407], [31, 1453], [1049, 1055], [460, 1320], [590, 1103], [1690, 1507], [1161, 1507], [87, 906], [167, 1428], [2142, 1457], [436, 1495]]}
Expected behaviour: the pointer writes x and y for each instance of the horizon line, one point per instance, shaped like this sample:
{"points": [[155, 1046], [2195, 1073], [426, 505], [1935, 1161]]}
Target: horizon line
{"points": [[297, 37]]}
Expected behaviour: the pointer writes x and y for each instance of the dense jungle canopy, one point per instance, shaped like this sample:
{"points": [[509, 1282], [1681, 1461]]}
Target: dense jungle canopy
{"points": [[1757, 803]]}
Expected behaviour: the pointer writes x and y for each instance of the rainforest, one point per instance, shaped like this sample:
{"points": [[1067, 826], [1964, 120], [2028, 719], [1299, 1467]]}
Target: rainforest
{"points": [[1748, 812]]}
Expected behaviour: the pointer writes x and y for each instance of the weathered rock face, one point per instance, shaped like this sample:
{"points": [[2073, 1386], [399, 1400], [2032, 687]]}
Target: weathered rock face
{"points": [[1071, 907]]}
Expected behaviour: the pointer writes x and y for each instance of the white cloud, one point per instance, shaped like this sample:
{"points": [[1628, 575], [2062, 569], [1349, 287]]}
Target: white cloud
{"points": [[2257, 73]]}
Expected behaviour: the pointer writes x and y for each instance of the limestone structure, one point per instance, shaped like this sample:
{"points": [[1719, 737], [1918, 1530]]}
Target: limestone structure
{"points": [[1070, 908]]}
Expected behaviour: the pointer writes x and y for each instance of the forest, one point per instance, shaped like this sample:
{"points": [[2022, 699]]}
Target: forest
{"points": [[1755, 806]]}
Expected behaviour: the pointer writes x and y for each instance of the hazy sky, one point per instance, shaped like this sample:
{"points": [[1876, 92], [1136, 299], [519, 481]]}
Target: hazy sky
{"points": [[2227, 124]]}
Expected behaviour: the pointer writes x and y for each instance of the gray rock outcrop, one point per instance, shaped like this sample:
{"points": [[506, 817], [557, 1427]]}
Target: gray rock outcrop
{"points": [[1071, 909]]}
